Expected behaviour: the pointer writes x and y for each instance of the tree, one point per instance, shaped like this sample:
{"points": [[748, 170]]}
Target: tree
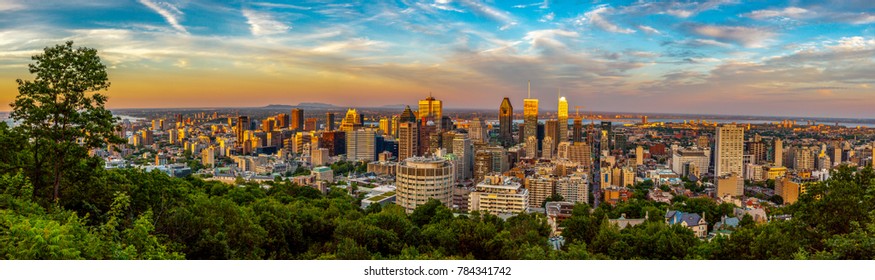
{"points": [[62, 112]]}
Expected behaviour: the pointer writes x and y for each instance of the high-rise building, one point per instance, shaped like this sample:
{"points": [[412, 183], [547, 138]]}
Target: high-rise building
{"points": [[297, 119], [431, 109], [757, 150], [563, 120], [532, 147], [478, 131], [577, 152], [482, 165], [208, 156], [408, 140], [334, 141], [419, 179], [386, 126], [548, 147], [803, 159], [464, 149], [574, 188], [639, 155], [607, 136], [242, 127], [729, 149], [505, 122], [352, 121], [530, 117], [407, 116], [302, 140], [687, 162], [311, 124], [498, 194], [361, 145], [329, 121], [577, 132], [540, 188], [779, 152]]}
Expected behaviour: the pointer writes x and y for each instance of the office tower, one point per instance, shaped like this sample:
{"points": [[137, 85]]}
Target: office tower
{"points": [[639, 155], [577, 132], [577, 152], [329, 121], [690, 161], [607, 136], [803, 159], [407, 116], [497, 194], [620, 142], [757, 150], [478, 131], [729, 149], [574, 188], [395, 121], [530, 117], [408, 140], [482, 165], [242, 127], [268, 124], [540, 188], [447, 141], [334, 141], [419, 179], [386, 126], [779, 152], [302, 139], [532, 147], [464, 149], [551, 130], [505, 123], [208, 156], [425, 132], [297, 119], [548, 147], [563, 120], [361, 145], [282, 121], [430, 109], [352, 121], [311, 124]]}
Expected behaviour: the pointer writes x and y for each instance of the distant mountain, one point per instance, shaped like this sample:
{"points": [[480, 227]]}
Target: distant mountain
{"points": [[394, 106], [312, 105]]}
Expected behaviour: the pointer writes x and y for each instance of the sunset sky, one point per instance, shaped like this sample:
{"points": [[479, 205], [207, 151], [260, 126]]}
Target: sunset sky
{"points": [[795, 58]]}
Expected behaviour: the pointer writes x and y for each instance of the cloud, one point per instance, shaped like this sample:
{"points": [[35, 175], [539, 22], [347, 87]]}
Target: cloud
{"points": [[281, 6], [680, 9], [649, 30], [596, 17], [8, 5], [548, 17], [788, 12], [170, 12], [490, 12], [748, 37], [356, 44], [261, 23], [814, 13]]}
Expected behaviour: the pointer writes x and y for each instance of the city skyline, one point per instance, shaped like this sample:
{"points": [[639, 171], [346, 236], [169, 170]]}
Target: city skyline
{"points": [[714, 57]]}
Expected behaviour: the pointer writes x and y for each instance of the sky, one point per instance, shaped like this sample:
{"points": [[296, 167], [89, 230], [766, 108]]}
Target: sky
{"points": [[786, 58]]}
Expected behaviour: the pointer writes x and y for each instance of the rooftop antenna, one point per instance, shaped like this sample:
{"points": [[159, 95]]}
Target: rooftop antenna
{"points": [[530, 89]]}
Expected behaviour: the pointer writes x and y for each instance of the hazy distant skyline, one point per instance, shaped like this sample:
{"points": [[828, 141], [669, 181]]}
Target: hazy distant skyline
{"points": [[793, 58]]}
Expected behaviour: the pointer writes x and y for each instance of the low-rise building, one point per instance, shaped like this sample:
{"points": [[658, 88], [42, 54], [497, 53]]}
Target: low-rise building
{"points": [[692, 221], [499, 195]]}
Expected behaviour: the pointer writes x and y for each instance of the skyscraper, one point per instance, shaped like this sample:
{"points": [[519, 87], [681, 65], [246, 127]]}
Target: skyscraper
{"points": [[329, 121], [311, 124], [563, 120], [478, 131], [419, 179], [297, 119], [431, 109], [729, 149], [386, 126], [361, 146], [352, 121], [505, 122], [464, 149], [242, 127], [530, 117], [778, 157], [577, 133], [408, 140]]}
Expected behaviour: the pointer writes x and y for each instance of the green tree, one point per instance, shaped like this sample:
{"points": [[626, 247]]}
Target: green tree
{"points": [[62, 112]]}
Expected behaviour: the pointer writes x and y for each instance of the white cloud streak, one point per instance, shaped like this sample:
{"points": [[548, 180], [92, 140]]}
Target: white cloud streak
{"points": [[262, 24], [170, 12]]}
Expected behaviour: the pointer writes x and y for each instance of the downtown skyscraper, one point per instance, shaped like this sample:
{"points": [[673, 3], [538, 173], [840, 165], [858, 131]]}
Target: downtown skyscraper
{"points": [[431, 109], [530, 117], [563, 120], [505, 122], [729, 149], [297, 120]]}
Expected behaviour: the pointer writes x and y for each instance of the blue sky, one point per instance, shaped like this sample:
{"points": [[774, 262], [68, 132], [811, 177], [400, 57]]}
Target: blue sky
{"points": [[810, 58]]}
